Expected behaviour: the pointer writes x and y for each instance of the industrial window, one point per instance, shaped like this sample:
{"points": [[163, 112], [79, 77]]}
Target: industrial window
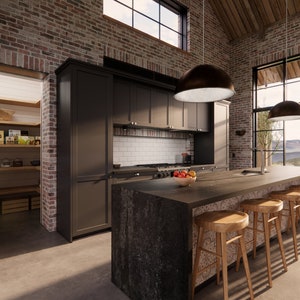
{"points": [[162, 19], [280, 140]]}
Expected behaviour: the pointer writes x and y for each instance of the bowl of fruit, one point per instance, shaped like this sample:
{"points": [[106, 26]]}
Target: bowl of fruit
{"points": [[184, 177]]}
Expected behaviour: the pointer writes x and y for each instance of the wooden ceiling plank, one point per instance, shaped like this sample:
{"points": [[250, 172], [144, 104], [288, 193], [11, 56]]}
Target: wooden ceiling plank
{"points": [[240, 18], [233, 16], [269, 12], [291, 7], [277, 11], [297, 5], [223, 19], [260, 12], [244, 15], [256, 24]]}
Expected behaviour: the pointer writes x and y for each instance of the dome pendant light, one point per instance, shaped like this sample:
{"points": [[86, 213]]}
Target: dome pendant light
{"points": [[204, 83], [285, 110]]}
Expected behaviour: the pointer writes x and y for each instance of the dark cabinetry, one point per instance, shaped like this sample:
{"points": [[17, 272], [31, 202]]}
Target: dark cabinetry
{"points": [[213, 147], [197, 116], [144, 105], [132, 103], [84, 149]]}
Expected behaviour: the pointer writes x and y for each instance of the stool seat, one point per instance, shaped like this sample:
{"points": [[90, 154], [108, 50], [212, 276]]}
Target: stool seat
{"points": [[221, 222], [262, 205], [292, 197], [270, 210]]}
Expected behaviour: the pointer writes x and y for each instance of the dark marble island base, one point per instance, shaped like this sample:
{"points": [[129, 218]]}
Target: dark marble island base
{"points": [[152, 227]]}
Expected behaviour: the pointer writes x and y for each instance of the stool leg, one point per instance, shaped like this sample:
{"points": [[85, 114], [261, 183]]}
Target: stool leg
{"points": [[246, 264], [292, 215], [255, 220], [197, 258], [279, 237], [219, 255], [267, 245], [224, 265]]}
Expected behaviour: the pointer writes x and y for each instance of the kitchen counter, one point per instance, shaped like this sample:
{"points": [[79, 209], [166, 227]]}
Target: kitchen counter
{"points": [[152, 226]]}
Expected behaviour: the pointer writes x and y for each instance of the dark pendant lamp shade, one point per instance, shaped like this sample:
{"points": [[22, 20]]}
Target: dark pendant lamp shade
{"points": [[204, 83], [285, 111]]}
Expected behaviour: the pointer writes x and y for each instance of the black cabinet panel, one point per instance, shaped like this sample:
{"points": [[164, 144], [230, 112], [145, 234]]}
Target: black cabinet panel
{"points": [[84, 151], [141, 104], [159, 108], [90, 126], [91, 199], [121, 101]]}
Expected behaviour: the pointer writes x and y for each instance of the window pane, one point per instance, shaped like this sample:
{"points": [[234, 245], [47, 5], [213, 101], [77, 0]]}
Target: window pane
{"points": [[146, 25], [170, 36], [269, 96], [269, 134], [293, 68], [149, 8], [126, 2], [292, 135], [170, 19], [118, 11], [269, 76], [292, 90]]}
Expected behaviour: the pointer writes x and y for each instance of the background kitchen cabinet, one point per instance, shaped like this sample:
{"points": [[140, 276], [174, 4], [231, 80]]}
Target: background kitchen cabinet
{"points": [[221, 134], [160, 108], [84, 149], [177, 113], [131, 102], [213, 147], [198, 116]]}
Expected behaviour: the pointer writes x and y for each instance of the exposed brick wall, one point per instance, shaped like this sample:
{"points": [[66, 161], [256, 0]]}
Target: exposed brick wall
{"points": [[41, 34], [247, 53]]}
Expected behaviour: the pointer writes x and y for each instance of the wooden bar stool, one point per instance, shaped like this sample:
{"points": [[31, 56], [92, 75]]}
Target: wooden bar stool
{"points": [[222, 222], [270, 210], [293, 198], [296, 188]]}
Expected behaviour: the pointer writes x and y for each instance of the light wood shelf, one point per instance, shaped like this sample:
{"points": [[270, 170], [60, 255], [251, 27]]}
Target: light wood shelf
{"points": [[19, 123], [18, 146], [19, 169]]}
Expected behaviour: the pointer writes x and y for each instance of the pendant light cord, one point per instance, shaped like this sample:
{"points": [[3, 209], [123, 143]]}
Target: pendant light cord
{"points": [[203, 50], [286, 46]]}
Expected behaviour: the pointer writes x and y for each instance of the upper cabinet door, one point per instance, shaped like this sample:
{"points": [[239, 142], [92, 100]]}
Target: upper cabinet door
{"points": [[197, 116], [140, 105], [131, 102], [159, 108], [203, 113], [121, 101], [177, 113]]}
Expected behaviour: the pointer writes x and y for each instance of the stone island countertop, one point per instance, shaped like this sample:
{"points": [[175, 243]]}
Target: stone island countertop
{"points": [[216, 186], [152, 227]]}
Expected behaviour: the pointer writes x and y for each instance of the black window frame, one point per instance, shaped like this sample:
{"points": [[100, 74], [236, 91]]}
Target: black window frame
{"points": [[171, 5], [256, 109]]}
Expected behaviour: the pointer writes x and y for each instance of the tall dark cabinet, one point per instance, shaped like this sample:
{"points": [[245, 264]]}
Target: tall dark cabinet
{"points": [[84, 148]]}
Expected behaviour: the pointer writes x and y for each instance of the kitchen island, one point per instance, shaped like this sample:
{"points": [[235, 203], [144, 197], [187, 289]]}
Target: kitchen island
{"points": [[152, 227]]}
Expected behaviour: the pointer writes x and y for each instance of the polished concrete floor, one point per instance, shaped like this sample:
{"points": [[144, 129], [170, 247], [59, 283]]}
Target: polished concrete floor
{"points": [[38, 265]]}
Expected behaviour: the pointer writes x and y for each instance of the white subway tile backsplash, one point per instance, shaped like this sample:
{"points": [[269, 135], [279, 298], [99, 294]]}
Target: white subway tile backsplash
{"points": [[129, 151]]}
